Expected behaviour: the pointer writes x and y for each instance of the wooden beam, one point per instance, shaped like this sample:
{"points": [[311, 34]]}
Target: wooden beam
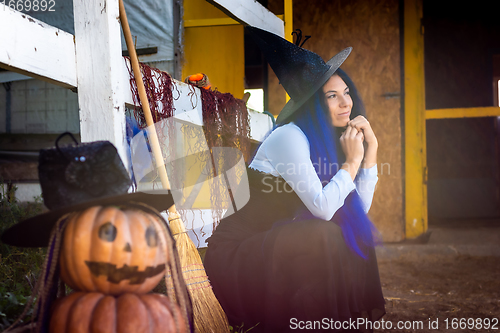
{"points": [[415, 143], [250, 12], [29, 142], [101, 80], [215, 22], [490, 111], [33, 48], [210, 22]]}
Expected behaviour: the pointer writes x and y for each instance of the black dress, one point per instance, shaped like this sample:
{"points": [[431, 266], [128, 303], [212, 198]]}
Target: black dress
{"points": [[270, 270]]}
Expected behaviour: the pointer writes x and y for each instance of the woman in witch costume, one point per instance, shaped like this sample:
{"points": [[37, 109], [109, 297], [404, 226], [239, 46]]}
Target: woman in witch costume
{"points": [[301, 253]]}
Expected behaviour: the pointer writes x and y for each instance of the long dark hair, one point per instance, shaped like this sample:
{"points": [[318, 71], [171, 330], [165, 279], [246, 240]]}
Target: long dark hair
{"points": [[327, 157]]}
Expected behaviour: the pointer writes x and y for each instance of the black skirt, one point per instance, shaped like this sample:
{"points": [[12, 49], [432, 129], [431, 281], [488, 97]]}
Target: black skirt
{"points": [[281, 274]]}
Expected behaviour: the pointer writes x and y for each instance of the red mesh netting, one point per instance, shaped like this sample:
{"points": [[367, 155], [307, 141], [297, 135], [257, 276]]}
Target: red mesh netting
{"points": [[225, 120], [158, 86], [226, 124]]}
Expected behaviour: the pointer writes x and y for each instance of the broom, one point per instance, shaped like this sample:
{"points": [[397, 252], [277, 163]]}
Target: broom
{"points": [[208, 314]]}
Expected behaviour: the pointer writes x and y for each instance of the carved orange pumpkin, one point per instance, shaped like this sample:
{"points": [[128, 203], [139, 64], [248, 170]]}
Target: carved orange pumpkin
{"points": [[94, 312], [112, 251]]}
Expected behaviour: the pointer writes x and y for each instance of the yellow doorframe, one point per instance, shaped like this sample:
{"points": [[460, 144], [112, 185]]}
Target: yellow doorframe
{"points": [[414, 104], [288, 19], [416, 114], [485, 111]]}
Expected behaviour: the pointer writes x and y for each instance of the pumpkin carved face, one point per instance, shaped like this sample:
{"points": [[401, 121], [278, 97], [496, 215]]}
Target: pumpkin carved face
{"points": [[112, 251]]}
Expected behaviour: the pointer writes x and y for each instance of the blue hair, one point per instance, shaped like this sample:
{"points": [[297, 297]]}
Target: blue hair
{"points": [[315, 122]]}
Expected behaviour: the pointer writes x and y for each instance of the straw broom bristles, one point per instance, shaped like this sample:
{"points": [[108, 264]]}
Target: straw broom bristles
{"points": [[207, 311]]}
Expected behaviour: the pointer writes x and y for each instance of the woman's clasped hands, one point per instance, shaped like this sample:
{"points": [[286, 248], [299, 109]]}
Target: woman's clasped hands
{"points": [[358, 131]]}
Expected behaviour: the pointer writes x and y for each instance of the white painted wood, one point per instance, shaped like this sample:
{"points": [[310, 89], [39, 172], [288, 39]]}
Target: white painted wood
{"points": [[101, 88], [127, 93], [31, 47], [250, 12], [260, 125]]}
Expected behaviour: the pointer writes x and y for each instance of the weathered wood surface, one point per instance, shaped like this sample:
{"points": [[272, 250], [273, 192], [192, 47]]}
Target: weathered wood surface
{"points": [[251, 13], [31, 47], [101, 83]]}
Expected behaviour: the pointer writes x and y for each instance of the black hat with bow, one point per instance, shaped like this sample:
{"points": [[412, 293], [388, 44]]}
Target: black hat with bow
{"points": [[300, 71], [74, 178]]}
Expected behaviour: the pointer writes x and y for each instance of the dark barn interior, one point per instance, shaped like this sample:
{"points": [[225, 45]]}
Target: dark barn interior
{"points": [[462, 68]]}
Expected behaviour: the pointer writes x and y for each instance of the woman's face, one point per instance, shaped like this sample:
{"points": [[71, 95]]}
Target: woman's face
{"points": [[337, 100]]}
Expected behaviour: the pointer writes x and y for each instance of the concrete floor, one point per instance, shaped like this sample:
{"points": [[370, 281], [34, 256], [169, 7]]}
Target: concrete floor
{"points": [[452, 274], [479, 237]]}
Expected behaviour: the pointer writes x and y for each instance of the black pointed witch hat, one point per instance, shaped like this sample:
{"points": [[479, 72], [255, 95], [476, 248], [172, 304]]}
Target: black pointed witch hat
{"points": [[300, 71], [74, 178]]}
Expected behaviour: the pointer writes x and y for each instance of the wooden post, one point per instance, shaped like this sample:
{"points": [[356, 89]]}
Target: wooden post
{"points": [[178, 39], [100, 78], [415, 140], [288, 20]]}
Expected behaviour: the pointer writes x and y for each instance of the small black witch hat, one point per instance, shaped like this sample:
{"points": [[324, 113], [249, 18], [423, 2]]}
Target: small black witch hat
{"points": [[74, 178], [300, 71]]}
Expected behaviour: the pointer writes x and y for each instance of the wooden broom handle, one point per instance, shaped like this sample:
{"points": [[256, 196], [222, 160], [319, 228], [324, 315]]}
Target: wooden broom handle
{"points": [[153, 137]]}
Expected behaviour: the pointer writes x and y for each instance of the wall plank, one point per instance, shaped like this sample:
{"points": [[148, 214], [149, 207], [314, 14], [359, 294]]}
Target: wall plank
{"points": [[36, 49]]}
